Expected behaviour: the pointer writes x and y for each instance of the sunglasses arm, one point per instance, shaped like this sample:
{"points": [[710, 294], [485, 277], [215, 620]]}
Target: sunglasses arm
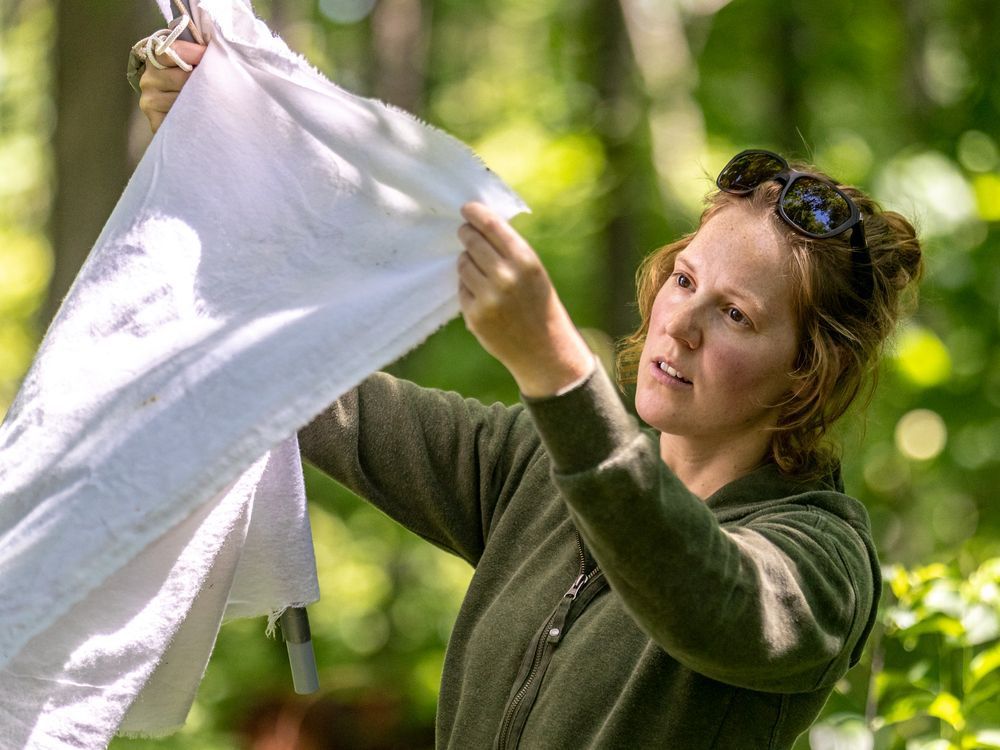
{"points": [[858, 235]]}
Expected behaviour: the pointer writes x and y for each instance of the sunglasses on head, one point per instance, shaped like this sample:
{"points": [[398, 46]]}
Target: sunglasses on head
{"points": [[811, 205]]}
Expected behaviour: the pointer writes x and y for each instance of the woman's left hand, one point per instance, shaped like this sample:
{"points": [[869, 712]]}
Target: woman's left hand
{"points": [[160, 86], [511, 307]]}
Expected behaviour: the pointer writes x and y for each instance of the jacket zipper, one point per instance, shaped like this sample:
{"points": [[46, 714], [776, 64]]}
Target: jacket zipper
{"points": [[548, 634]]}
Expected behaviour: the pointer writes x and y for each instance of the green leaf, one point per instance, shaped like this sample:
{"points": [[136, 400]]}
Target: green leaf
{"points": [[898, 580], [984, 663], [907, 707], [918, 671], [986, 691], [924, 743], [932, 572], [949, 709], [915, 677], [934, 623]]}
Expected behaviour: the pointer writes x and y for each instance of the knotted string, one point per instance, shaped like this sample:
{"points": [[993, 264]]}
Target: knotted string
{"points": [[160, 42]]}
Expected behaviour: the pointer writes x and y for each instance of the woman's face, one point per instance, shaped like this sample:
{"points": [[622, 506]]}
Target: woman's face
{"points": [[722, 336]]}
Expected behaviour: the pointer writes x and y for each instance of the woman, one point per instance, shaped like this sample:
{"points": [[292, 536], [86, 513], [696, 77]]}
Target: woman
{"points": [[700, 583]]}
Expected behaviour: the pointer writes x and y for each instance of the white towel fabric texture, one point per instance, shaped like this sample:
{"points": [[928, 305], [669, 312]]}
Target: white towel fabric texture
{"points": [[280, 240]]}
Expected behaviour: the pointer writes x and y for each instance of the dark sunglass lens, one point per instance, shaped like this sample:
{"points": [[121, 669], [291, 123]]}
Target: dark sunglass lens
{"points": [[747, 171], [815, 207]]}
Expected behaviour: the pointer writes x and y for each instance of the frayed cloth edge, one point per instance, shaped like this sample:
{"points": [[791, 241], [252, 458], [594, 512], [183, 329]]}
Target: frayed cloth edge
{"points": [[271, 629], [152, 734]]}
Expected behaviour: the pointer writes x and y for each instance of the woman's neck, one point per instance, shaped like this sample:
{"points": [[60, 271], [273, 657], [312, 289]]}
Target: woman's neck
{"points": [[705, 466]]}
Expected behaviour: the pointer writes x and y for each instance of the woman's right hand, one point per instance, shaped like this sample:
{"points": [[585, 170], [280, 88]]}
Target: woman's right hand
{"points": [[160, 87]]}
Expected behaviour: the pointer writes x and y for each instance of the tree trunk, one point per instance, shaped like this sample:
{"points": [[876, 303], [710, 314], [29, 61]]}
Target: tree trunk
{"points": [[610, 69], [90, 144], [400, 32], [790, 120]]}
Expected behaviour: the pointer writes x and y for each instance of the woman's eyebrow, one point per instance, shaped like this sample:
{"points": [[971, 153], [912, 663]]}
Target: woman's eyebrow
{"points": [[755, 303]]}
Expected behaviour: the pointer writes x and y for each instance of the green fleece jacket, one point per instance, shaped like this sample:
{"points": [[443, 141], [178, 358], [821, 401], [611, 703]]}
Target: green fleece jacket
{"points": [[610, 607]]}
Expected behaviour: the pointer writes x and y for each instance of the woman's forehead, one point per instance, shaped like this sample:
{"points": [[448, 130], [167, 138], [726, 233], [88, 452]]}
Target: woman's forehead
{"points": [[737, 235]]}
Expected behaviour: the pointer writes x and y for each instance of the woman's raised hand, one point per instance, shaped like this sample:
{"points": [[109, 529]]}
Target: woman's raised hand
{"points": [[160, 87], [511, 307]]}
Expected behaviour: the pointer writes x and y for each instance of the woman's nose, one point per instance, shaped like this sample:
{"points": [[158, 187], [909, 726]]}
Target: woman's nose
{"points": [[682, 322]]}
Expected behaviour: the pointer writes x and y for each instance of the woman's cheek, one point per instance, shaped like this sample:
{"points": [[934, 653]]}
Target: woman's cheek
{"points": [[758, 372]]}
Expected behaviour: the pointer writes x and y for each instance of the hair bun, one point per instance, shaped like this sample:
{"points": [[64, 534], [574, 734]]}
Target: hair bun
{"points": [[897, 259]]}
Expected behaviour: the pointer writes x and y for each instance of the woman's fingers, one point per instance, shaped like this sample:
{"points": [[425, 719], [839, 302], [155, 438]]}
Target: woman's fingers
{"points": [[480, 251], [187, 51], [158, 101], [167, 79], [159, 91], [497, 232], [487, 274], [495, 243], [156, 106]]}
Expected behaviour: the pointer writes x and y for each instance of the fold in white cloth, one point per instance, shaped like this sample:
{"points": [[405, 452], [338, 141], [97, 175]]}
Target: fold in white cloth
{"points": [[280, 240]]}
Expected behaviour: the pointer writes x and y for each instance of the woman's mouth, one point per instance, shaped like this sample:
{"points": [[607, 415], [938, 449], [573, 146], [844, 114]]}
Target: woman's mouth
{"points": [[672, 372]]}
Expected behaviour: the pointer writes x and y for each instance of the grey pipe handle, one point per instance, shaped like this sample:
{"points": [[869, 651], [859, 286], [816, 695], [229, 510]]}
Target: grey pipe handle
{"points": [[294, 623]]}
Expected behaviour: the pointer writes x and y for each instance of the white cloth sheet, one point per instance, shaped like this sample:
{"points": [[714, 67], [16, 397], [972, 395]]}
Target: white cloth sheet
{"points": [[280, 240]]}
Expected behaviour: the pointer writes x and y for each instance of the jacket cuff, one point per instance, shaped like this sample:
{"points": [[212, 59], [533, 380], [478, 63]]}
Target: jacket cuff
{"points": [[583, 426]]}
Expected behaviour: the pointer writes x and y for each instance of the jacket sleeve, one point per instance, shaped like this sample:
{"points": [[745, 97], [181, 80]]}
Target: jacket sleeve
{"points": [[434, 461], [776, 603]]}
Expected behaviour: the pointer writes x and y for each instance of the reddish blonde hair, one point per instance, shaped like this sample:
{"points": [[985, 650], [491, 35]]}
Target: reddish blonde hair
{"points": [[841, 333]]}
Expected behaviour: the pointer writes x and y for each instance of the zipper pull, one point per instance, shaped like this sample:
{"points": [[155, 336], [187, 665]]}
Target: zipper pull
{"points": [[558, 621], [577, 585]]}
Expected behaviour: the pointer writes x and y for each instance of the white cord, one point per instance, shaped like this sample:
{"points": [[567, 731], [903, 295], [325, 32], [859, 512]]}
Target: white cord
{"points": [[195, 31], [159, 43]]}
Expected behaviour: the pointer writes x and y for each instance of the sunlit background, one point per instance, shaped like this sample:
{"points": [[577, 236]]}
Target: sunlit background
{"points": [[610, 117]]}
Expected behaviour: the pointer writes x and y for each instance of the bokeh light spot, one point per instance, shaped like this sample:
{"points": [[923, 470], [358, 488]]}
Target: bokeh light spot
{"points": [[365, 635], [931, 188], [954, 517], [841, 732], [346, 11], [922, 357], [977, 151], [847, 155], [921, 434], [885, 471], [947, 75], [987, 190], [977, 445]]}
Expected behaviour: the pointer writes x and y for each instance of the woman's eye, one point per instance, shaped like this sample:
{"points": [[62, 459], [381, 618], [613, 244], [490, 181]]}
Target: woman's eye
{"points": [[738, 317], [683, 280]]}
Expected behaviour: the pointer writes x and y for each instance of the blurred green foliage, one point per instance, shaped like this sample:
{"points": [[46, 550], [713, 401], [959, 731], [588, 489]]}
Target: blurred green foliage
{"points": [[932, 668], [610, 119], [25, 191]]}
